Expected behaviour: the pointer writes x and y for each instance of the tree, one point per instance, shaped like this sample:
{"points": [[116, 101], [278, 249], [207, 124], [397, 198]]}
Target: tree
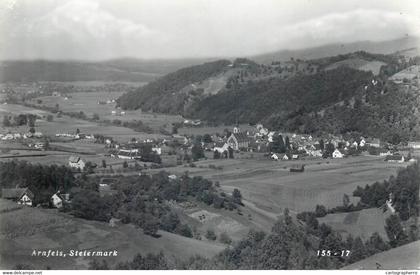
{"points": [[224, 238], [216, 154], [210, 235], [395, 231], [207, 138], [6, 121], [184, 230], [31, 120], [320, 211], [197, 151], [103, 163], [46, 144], [125, 164], [230, 152], [329, 149], [358, 251], [151, 226], [346, 201], [287, 143], [237, 196], [77, 131], [32, 130], [278, 145], [321, 144], [169, 222], [376, 244], [50, 118], [95, 116]]}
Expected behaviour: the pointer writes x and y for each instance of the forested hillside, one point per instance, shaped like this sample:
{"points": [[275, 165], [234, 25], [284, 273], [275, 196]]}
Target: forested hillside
{"points": [[337, 95], [163, 95]]}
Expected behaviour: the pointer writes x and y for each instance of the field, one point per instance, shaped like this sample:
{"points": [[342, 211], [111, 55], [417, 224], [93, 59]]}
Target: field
{"points": [[67, 124], [88, 103], [270, 187], [358, 64], [406, 257], [25, 229], [359, 223]]}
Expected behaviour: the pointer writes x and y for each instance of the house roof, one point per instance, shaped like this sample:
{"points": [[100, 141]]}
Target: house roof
{"points": [[241, 137], [16, 193], [394, 157], [219, 144], [74, 159]]}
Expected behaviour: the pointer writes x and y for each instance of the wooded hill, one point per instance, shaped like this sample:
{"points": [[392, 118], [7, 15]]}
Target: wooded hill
{"points": [[334, 95]]}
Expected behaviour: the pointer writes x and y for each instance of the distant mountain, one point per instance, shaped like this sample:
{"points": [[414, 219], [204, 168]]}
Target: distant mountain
{"points": [[124, 69], [341, 94], [383, 47]]}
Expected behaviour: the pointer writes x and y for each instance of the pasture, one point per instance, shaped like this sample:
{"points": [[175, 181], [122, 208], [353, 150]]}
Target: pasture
{"points": [[88, 103], [271, 187], [406, 257], [358, 223], [67, 124], [26, 229]]}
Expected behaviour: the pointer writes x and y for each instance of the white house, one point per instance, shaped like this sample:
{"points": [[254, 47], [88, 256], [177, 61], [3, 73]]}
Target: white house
{"points": [[383, 154], [221, 149], [157, 150], [76, 162], [22, 196], [57, 200], [285, 157], [414, 144], [337, 154], [172, 177], [395, 158], [275, 157]]}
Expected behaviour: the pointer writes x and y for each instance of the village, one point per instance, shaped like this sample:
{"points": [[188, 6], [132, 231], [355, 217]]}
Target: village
{"points": [[145, 156]]}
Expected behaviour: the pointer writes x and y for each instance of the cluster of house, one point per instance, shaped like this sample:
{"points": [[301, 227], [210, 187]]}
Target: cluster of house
{"points": [[134, 150], [24, 196], [76, 162], [108, 101], [117, 113], [17, 136], [188, 122], [260, 140], [75, 135]]}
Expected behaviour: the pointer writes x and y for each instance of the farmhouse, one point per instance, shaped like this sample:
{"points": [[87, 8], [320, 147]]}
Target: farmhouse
{"points": [[22, 196], [58, 199], [113, 222], [124, 154], [285, 157], [395, 158], [385, 153], [76, 162], [221, 147], [238, 141], [414, 144], [337, 154], [373, 142]]}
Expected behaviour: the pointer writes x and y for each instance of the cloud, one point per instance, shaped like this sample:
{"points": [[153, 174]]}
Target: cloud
{"points": [[357, 25], [81, 29], [93, 29]]}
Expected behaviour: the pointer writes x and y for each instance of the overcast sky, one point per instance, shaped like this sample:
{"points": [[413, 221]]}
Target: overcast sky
{"points": [[103, 29]]}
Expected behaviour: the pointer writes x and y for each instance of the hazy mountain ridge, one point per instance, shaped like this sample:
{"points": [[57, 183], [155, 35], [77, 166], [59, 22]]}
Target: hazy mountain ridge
{"points": [[382, 47], [124, 69]]}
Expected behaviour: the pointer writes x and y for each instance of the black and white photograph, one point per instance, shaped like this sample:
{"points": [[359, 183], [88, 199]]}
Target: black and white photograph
{"points": [[224, 135]]}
